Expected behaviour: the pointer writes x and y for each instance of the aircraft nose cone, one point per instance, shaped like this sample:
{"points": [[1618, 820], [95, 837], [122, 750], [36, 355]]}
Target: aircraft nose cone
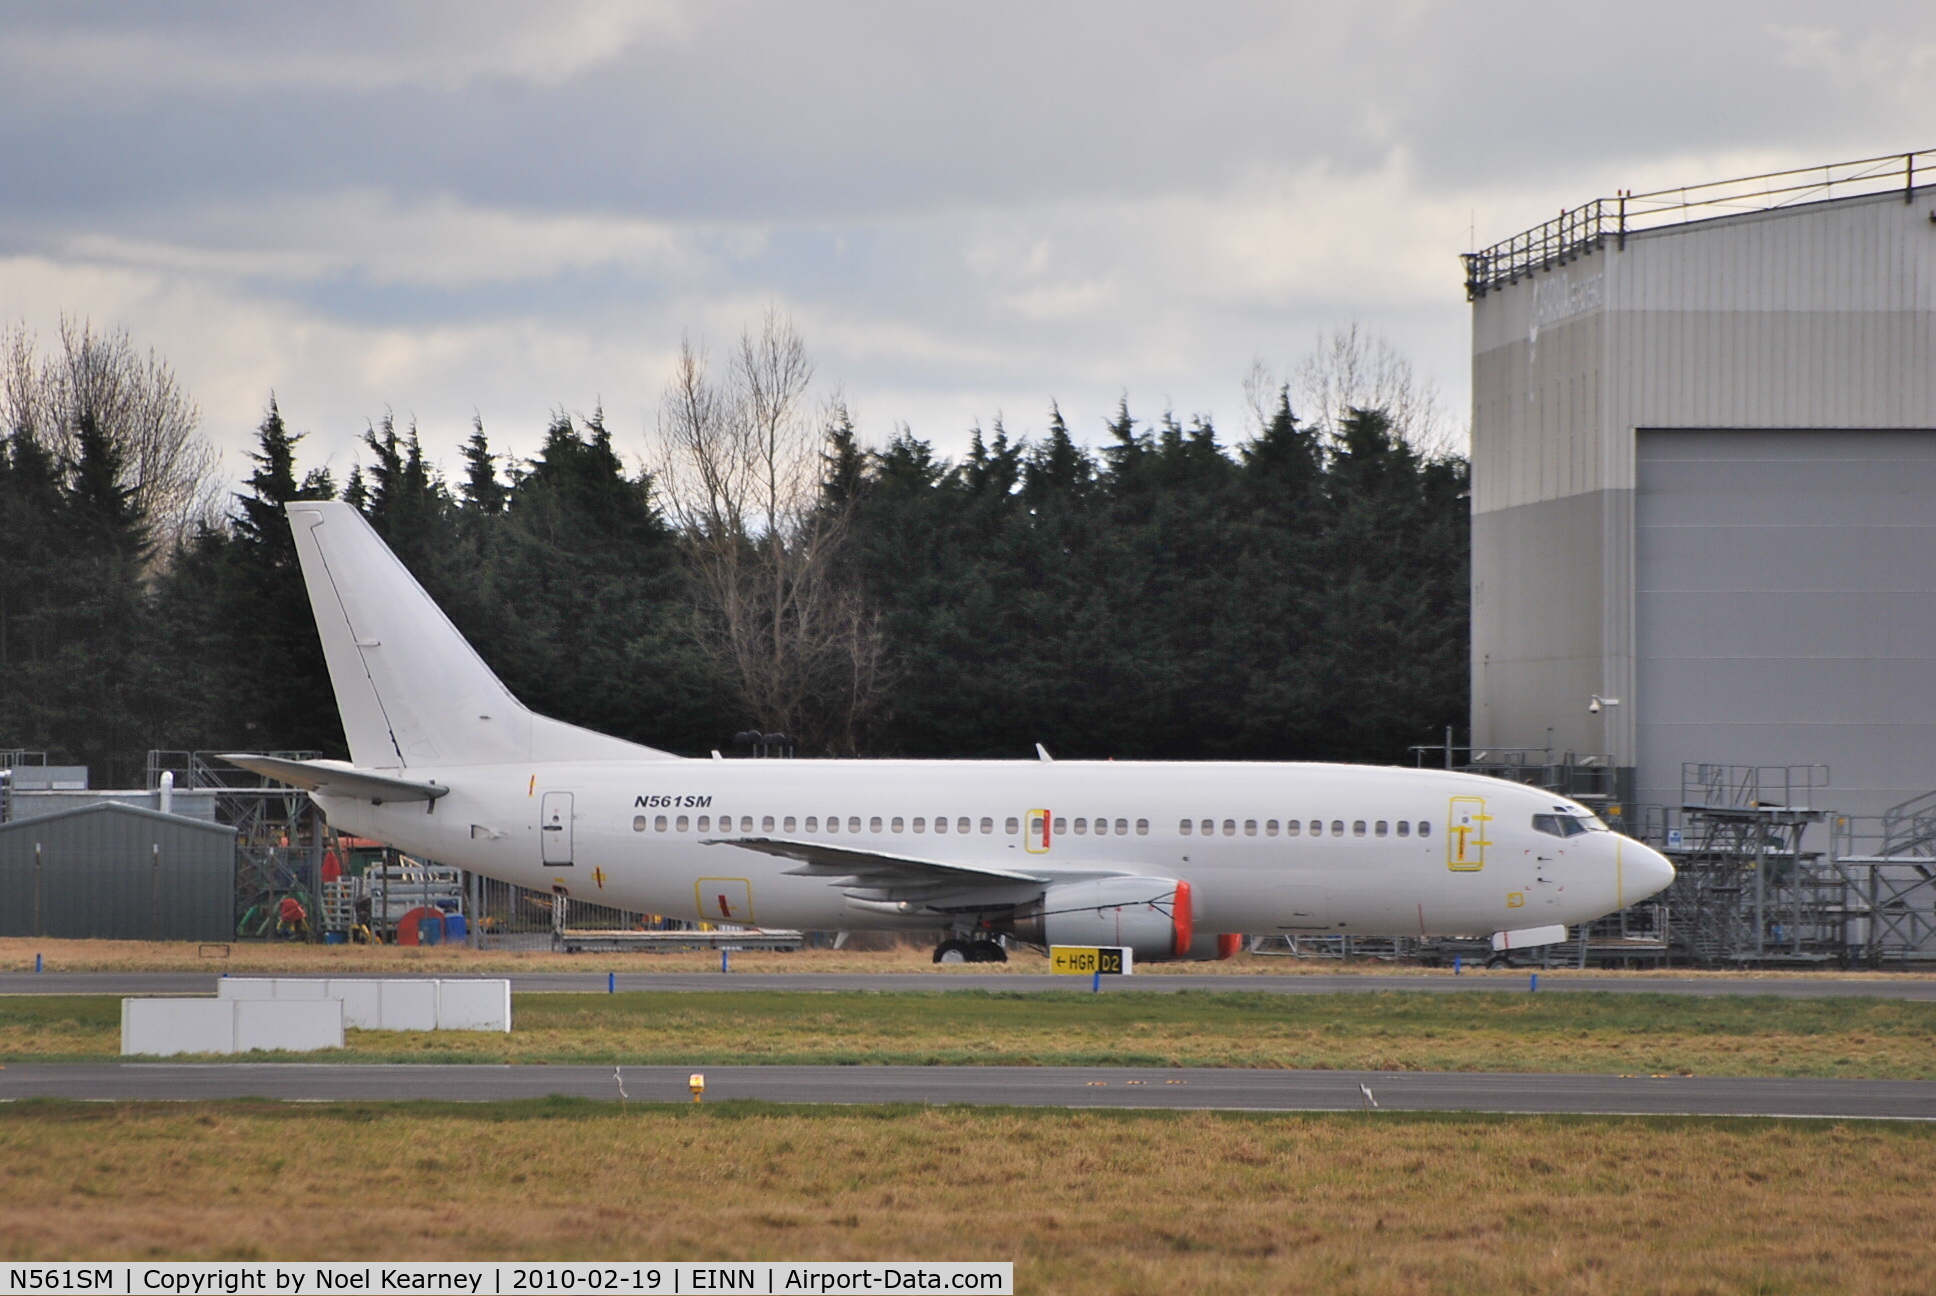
{"points": [[1648, 871]]}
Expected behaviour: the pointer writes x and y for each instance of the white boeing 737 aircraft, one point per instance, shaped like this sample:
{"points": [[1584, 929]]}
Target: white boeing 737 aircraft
{"points": [[1170, 859]]}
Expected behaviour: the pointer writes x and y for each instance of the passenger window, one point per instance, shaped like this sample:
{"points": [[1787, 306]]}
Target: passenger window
{"points": [[766, 823], [1404, 827], [1425, 827], [1357, 827], [941, 823], [1381, 828], [1061, 825], [1142, 827], [1270, 827], [853, 824], [1292, 827], [706, 823], [681, 823], [1082, 826], [813, 824], [896, 825], [874, 824], [987, 824], [1208, 827], [638, 823], [833, 823], [1337, 828], [961, 824], [920, 824], [1122, 827], [659, 824], [1230, 827], [789, 824], [1184, 827], [1317, 827], [1250, 827], [1013, 825]]}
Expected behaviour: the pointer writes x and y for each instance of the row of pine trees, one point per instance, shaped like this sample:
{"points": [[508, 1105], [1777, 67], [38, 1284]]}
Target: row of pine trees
{"points": [[1302, 595]]}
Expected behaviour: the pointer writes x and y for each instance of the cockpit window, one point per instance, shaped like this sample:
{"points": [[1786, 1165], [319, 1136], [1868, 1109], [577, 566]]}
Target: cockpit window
{"points": [[1561, 825], [1589, 822]]}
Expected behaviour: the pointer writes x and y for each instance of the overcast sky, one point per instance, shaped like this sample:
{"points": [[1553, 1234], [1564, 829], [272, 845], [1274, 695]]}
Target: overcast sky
{"points": [[970, 210]]}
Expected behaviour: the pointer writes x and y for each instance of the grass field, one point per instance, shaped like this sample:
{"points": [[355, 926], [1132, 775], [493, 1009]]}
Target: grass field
{"points": [[1082, 1202], [1403, 1030]]}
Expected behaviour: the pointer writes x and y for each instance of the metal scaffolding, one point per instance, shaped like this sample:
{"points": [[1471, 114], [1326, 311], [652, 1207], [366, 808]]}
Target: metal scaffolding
{"points": [[1888, 867], [1746, 890], [278, 832]]}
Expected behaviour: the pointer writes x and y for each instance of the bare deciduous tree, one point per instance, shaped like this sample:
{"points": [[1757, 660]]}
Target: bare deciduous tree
{"points": [[136, 399], [1355, 368], [739, 470]]}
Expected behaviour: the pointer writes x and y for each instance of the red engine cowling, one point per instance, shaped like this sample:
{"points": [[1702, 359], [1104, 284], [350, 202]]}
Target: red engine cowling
{"points": [[1151, 916], [1214, 946]]}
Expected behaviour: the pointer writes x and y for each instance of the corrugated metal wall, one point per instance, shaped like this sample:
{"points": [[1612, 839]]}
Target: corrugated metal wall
{"points": [[1814, 317], [117, 873]]}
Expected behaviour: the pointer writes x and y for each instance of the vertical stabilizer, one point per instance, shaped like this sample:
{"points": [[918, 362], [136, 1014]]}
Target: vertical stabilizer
{"points": [[411, 690]]}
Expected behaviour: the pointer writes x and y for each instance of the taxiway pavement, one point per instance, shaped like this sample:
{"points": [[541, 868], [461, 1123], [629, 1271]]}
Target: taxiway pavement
{"points": [[1182, 1088], [1555, 981]]}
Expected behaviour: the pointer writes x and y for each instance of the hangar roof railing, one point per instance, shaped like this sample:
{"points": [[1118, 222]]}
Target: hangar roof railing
{"points": [[1588, 228]]}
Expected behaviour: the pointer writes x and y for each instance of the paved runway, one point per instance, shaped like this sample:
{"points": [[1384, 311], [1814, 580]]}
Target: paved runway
{"points": [[1017, 1086], [1813, 987]]}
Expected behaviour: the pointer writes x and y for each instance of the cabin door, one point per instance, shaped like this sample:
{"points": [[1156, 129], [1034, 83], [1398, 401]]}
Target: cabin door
{"points": [[1465, 835]]}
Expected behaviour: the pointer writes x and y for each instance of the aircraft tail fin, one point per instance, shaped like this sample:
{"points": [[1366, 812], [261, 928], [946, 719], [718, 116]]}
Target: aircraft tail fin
{"points": [[411, 689]]}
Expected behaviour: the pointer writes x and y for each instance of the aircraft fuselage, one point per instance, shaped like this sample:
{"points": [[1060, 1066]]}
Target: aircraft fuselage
{"points": [[1267, 848]]}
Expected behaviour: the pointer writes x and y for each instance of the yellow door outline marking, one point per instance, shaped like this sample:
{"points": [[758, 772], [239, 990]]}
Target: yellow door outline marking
{"points": [[1465, 834], [718, 901], [1030, 841]]}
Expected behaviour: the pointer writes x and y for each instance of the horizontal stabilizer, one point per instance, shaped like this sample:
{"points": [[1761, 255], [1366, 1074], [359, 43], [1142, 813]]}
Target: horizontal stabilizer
{"points": [[333, 778]]}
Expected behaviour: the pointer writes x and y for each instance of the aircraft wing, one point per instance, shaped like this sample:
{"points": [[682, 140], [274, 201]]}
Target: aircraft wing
{"points": [[878, 870], [333, 778]]}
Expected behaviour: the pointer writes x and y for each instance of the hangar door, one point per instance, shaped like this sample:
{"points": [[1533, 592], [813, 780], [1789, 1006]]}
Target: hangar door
{"points": [[1785, 608]]}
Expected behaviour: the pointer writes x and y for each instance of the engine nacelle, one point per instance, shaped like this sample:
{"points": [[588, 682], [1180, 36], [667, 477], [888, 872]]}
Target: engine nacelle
{"points": [[1147, 914]]}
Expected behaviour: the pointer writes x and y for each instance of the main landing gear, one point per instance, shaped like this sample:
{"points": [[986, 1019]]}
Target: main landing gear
{"points": [[957, 950]]}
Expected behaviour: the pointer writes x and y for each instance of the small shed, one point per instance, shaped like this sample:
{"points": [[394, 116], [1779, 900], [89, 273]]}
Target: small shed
{"points": [[117, 872]]}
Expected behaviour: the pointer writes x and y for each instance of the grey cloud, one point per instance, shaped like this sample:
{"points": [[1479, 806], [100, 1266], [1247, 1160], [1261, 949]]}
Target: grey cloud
{"points": [[974, 206]]}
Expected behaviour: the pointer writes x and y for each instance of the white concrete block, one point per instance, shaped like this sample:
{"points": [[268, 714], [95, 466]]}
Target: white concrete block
{"points": [[474, 1005], [362, 1001], [293, 1026], [408, 1005], [229, 987], [297, 988], [161, 1027]]}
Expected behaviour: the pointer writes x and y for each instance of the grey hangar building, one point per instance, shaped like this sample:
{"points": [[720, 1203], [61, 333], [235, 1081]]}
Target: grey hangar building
{"points": [[1704, 486]]}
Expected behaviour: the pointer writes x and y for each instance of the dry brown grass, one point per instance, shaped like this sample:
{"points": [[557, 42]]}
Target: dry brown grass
{"points": [[1404, 1030], [1081, 1202], [17, 955]]}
